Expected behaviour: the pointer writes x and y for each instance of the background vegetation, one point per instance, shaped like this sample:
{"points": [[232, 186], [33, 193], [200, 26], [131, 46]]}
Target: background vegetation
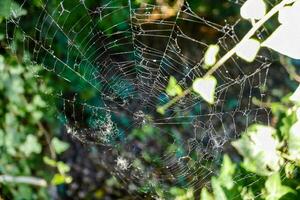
{"points": [[39, 160]]}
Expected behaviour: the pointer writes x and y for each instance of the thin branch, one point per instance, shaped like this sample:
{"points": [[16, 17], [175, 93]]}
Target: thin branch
{"points": [[48, 140], [174, 100], [230, 53], [250, 33], [23, 179]]}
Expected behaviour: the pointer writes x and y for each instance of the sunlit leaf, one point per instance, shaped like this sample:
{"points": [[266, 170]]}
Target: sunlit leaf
{"points": [[294, 139], [205, 195], [206, 88], [226, 173], [38, 101], [218, 191], [62, 167], [173, 88], [258, 146], [31, 145], [60, 179], [176, 191], [247, 194], [210, 55], [290, 14], [161, 110], [49, 161], [248, 49], [285, 38], [59, 146], [296, 95], [290, 170], [275, 190], [253, 9]]}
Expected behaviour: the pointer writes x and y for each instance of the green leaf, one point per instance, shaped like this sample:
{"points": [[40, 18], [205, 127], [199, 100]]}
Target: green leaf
{"points": [[2, 138], [205, 195], [31, 145], [296, 96], [2, 63], [60, 179], [284, 38], [62, 167], [17, 10], [5, 8], [59, 146], [288, 14], [290, 170], [253, 9], [274, 188], [206, 88], [9, 8], [25, 191], [38, 101], [217, 190], [248, 49], [176, 191], [161, 110], [293, 141], [173, 88], [226, 173], [210, 55], [247, 194], [258, 146], [49, 161], [286, 123]]}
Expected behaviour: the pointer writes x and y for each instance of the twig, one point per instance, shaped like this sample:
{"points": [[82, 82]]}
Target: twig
{"points": [[48, 140], [47, 137], [230, 53], [174, 100], [23, 179], [250, 33]]}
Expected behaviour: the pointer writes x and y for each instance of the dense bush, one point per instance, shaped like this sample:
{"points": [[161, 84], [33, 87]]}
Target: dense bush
{"points": [[27, 132]]}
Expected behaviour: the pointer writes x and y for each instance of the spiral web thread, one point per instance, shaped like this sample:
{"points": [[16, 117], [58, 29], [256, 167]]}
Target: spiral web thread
{"points": [[124, 54]]}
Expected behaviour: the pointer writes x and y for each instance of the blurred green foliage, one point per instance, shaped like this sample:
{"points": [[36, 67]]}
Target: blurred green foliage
{"points": [[26, 128]]}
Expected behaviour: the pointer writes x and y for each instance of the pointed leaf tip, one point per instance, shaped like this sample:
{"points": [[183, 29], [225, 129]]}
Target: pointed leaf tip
{"points": [[206, 88], [248, 49]]}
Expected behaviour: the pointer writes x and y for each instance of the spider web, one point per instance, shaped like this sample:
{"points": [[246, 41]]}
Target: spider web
{"points": [[113, 60]]}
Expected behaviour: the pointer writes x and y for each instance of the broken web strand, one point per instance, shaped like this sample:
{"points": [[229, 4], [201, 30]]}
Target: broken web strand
{"points": [[229, 54]]}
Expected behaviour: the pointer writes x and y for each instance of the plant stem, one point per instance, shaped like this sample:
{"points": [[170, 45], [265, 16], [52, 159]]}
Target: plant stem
{"points": [[230, 53], [23, 179], [250, 33], [174, 100]]}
